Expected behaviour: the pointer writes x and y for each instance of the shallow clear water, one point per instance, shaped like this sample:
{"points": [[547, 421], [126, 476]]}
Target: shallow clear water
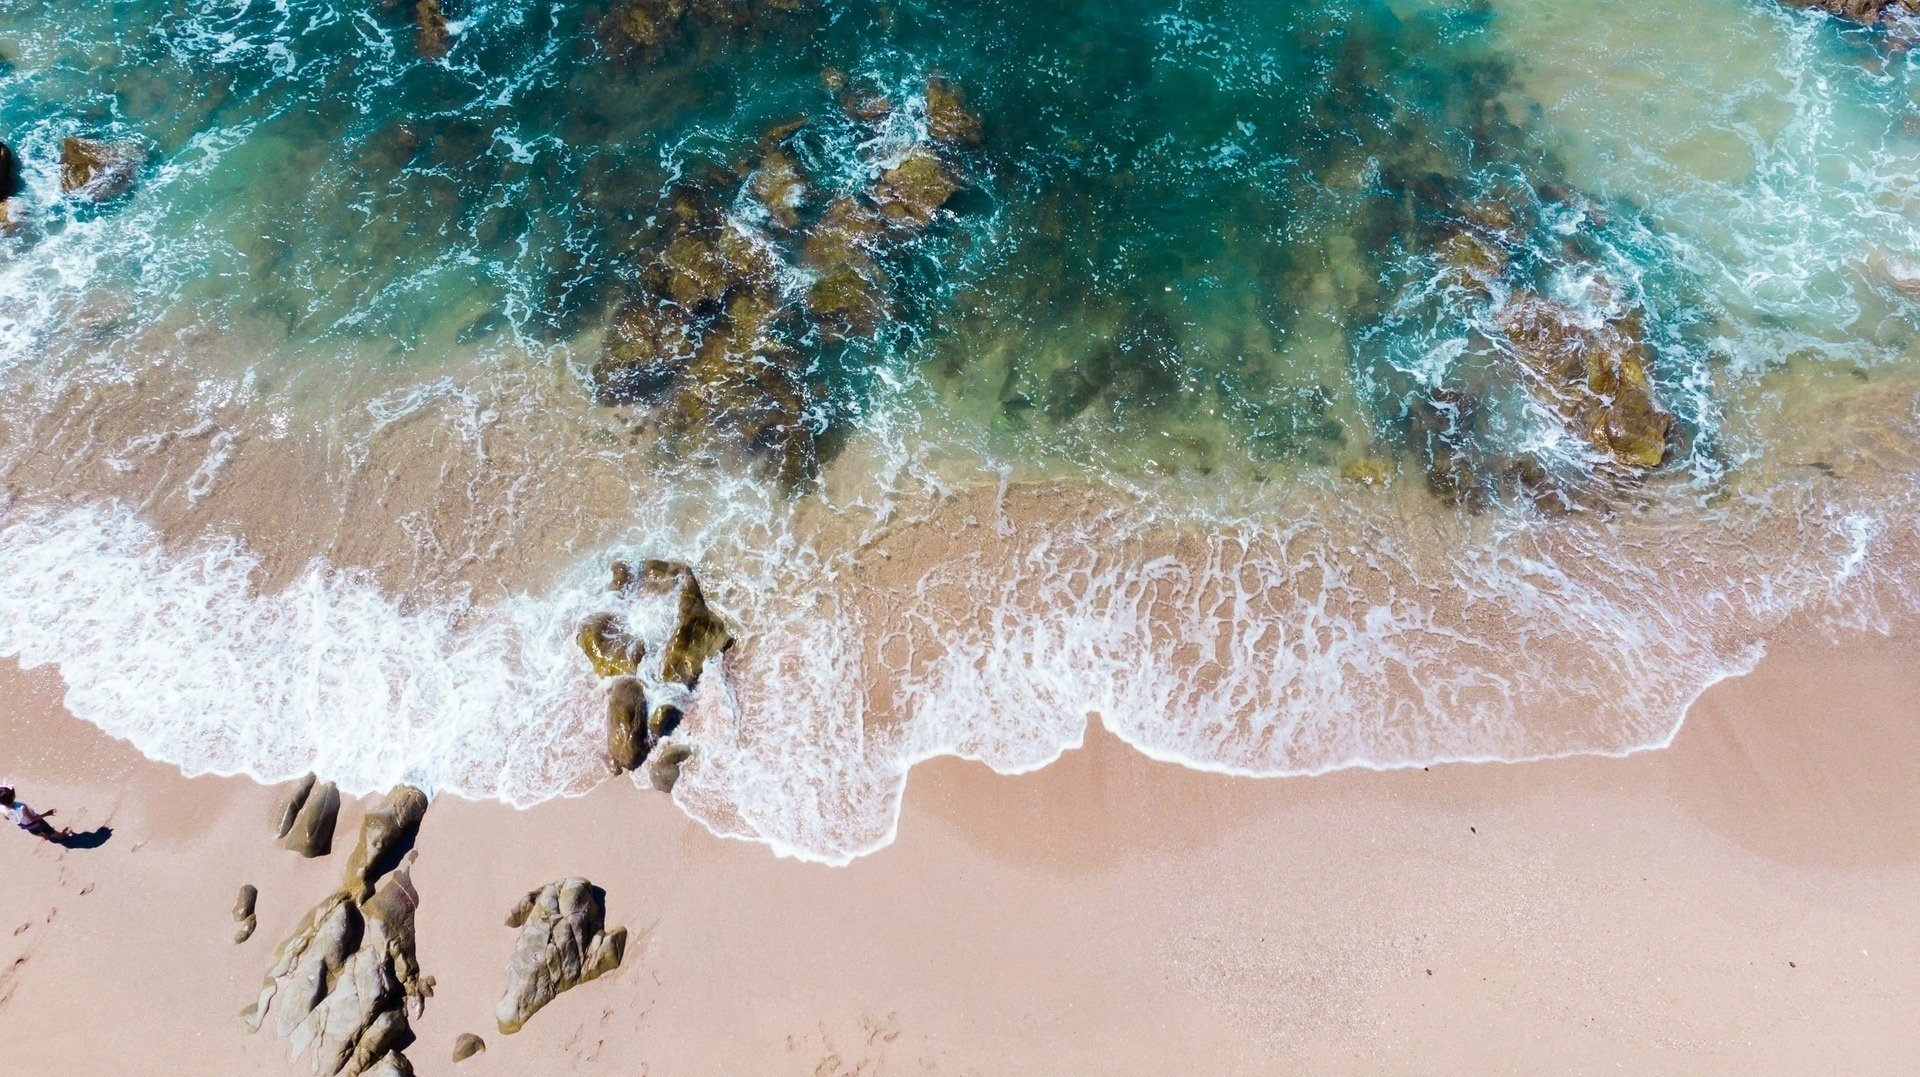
{"points": [[1186, 409]]}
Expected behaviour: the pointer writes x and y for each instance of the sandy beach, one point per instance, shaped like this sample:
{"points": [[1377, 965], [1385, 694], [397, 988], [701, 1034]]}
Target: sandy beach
{"points": [[1738, 902]]}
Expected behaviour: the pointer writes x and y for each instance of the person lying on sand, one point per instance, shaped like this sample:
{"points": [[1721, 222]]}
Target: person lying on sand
{"points": [[33, 822]]}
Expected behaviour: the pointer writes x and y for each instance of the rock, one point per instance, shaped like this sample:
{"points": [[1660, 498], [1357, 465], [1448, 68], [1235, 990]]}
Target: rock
{"points": [[627, 739], [848, 294], [563, 943], [663, 721], [290, 811], [243, 913], [97, 171], [466, 1045], [608, 647], [649, 24], [385, 836], [948, 119], [697, 634], [746, 390], [13, 216], [9, 173], [312, 832], [1594, 373], [780, 186], [1869, 12], [645, 349], [434, 37], [911, 192], [663, 772]]}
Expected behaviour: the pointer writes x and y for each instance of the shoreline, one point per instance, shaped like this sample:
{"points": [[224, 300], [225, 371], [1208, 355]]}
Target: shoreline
{"points": [[1247, 922]]}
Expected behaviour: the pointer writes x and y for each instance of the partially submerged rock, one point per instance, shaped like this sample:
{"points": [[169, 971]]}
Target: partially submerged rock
{"points": [[466, 1045], [93, 170], [1594, 372], [9, 173], [663, 771], [243, 913], [346, 980], [697, 634], [911, 192], [948, 118], [627, 737], [563, 943], [312, 832], [434, 36], [605, 642], [693, 635], [1868, 12]]}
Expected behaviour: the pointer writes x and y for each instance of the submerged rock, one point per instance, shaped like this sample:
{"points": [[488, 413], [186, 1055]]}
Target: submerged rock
{"points": [[948, 118], [1870, 12], [9, 181], [466, 1045], [563, 943], [312, 832], [911, 192], [96, 171], [243, 913]]}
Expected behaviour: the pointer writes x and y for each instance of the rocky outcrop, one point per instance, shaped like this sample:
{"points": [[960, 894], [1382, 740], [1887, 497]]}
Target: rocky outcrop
{"points": [[466, 1045], [311, 833], [9, 173], [1593, 371], [92, 170], [243, 913], [645, 27], [563, 943], [346, 981]]}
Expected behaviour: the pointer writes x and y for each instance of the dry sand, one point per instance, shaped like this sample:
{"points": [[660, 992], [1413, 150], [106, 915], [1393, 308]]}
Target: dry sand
{"points": [[1743, 901]]}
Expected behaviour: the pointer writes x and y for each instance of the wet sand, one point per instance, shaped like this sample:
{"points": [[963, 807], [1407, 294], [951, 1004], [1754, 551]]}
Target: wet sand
{"points": [[1741, 900]]}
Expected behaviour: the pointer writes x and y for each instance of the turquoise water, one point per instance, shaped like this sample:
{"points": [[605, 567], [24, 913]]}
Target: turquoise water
{"points": [[1428, 366]]}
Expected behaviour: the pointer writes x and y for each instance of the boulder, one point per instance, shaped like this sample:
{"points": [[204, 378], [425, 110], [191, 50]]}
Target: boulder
{"points": [[9, 181], [93, 170], [243, 913], [563, 943], [608, 647], [663, 770], [466, 1045], [290, 810], [13, 216], [385, 836], [627, 739], [312, 832]]}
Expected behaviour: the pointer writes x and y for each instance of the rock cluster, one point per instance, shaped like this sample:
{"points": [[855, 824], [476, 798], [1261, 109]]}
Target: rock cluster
{"points": [[307, 818], [93, 170], [346, 980], [691, 635], [563, 942], [1590, 368], [716, 338]]}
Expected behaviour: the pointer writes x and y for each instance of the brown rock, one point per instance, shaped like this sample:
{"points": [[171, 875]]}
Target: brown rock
{"points": [[649, 344], [466, 1045], [911, 192], [779, 185], [97, 171], [243, 913], [697, 634], [312, 832], [627, 739], [9, 173], [663, 771], [948, 119], [608, 646], [563, 943], [649, 23], [433, 38]]}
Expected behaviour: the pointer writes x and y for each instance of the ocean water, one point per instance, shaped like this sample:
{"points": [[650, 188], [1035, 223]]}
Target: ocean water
{"points": [[1209, 403]]}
